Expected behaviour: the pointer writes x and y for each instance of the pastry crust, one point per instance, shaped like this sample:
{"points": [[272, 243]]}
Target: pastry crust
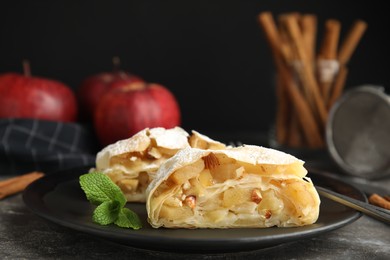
{"points": [[248, 186], [133, 162]]}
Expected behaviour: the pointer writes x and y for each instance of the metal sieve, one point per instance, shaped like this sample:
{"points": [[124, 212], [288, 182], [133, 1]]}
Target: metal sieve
{"points": [[358, 132]]}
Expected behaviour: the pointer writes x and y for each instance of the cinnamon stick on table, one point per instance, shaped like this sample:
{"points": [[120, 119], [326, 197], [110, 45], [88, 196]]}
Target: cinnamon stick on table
{"points": [[379, 201], [17, 184]]}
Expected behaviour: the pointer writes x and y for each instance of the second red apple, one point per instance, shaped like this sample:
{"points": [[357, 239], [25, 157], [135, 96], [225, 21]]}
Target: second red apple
{"points": [[94, 87], [125, 111]]}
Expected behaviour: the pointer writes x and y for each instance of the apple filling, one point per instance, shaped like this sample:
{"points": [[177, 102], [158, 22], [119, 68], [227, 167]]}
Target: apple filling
{"points": [[219, 192], [133, 171]]}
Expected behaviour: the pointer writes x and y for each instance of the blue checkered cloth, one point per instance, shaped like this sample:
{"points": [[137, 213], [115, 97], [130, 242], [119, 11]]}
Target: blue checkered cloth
{"points": [[37, 145]]}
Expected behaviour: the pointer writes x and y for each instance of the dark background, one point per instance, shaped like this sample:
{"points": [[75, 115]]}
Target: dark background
{"points": [[211, 54]]}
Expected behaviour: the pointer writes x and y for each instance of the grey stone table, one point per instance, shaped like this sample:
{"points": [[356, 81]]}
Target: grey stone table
{"points": [[24, 235]]}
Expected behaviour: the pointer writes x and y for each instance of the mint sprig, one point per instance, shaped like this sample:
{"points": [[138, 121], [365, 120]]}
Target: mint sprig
{"points": [[110, 201]]}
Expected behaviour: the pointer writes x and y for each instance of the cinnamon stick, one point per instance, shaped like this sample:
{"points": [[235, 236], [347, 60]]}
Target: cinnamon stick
{"points": [[285, 47], [306, 73], [306, 118], [17, 184], [270, 30], [338, 86], [379, 201], [282, 113], [309, 33], [328, 55], [351, 41], [330, 41]]}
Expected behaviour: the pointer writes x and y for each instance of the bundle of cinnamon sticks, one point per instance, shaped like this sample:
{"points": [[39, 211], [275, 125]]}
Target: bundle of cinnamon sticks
{"points": [[308, 83]]}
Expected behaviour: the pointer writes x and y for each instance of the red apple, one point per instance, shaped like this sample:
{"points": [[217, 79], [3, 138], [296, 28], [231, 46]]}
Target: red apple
{"points": [[94, 87], [125, 111], [24, 96]]}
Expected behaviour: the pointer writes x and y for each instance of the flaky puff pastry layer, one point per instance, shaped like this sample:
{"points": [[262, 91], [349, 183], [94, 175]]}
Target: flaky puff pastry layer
{"points": [[132, 163], [241, 187]]}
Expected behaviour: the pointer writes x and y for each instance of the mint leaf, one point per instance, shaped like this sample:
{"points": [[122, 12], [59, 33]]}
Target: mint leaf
{"points": [[107, 212], [99, 188], [128, 219], [110, 201]]}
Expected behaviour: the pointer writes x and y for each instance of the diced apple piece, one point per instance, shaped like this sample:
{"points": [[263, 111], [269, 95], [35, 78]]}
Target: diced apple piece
{"points": [[154, 153], [205, 178], [115, 175], [211, 203], [232, 197], [264, 169], [270, 202], [251, 168], [225, 172], [128, 185], [173, 202], [120, 159], [224, 159], [245, 208], [217, 215], [187, 172], [125, 159], [167, 151], [297, 193], [164, 187], [195, 188], [272, 169], [176, 213]]}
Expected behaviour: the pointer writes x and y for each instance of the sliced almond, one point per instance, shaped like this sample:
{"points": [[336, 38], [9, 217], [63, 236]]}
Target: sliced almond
{"points": [[211, 161]]}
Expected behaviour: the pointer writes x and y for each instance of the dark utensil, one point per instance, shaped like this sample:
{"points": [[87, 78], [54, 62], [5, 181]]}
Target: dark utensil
{"points": [[364, 207]]}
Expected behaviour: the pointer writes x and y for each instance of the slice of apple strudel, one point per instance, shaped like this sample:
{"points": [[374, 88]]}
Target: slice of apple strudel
{"points": [[246, 186], [131, 163]]}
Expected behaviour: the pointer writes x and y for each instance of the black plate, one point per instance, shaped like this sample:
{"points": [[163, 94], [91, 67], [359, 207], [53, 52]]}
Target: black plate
{"points": [[59, 198]]}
